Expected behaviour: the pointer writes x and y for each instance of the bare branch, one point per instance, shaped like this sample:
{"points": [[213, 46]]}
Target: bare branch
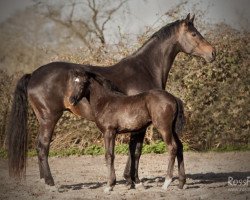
{"points": [[72, 12], [111, 12], [98, 32], [100, 15], [68, 25]]}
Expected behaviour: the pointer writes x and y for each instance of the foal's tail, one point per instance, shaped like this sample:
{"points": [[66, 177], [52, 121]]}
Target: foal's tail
{"points": [[180, 117], [17, 129]]}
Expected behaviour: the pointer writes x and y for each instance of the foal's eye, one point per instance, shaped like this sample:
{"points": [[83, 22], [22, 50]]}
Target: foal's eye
{"points": [[193, 34]]}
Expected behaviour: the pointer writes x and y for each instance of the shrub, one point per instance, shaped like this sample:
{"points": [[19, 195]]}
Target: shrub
{"points": [[216, 98], [216, 95]]}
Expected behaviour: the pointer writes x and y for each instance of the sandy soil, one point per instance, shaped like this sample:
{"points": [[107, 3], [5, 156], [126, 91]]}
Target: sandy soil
{"points": [[85, 178]]}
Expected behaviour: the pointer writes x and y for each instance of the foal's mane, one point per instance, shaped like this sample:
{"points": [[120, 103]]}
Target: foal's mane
{"points": [[105, 83]]}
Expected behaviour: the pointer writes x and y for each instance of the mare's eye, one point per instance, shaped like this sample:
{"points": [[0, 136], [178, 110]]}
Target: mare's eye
{"points": [[193, 34]]}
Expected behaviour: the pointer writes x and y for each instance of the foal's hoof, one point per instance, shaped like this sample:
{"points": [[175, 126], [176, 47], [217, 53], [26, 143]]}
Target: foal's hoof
{"points": [[51, 188], [139, 186], [108, 189], [181, 183], [166, 184], [41, 180], [130, 186]]}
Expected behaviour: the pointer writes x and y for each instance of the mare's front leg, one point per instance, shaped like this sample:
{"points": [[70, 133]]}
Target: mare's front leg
{"points": [[109, 139], [135, 149]]}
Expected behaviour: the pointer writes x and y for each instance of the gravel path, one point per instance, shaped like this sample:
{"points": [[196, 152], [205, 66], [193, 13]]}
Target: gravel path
{"points": [[84, 177]]}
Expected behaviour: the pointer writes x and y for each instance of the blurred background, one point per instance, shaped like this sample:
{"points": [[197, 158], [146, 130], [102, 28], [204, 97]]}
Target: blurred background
{"points": [[216, 95]]}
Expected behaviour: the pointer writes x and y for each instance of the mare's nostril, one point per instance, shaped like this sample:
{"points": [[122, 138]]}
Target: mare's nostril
{"points": [[213, 54]]}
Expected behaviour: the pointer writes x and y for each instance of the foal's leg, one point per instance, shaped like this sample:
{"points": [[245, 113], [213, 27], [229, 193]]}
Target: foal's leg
{"points": [[109, 139], [47, 125], [172, 150], [181, 169], [135, 148]]}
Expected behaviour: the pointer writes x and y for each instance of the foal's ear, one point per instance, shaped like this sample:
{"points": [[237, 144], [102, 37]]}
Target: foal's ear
{"points": [[90, 74], [75, 73]]}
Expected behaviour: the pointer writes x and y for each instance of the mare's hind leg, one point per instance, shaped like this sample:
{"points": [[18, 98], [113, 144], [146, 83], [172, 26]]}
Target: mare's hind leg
{"points": [[181, 169], [172, 150], [47, 125]]}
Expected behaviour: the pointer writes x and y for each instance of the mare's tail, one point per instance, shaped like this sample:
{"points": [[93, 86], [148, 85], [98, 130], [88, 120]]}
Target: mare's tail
{"points": [[180, 117], [17, 129]]}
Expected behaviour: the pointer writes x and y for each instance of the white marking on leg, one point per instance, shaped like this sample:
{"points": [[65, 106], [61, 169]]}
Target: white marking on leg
{"points": [[41, 180], [139, 186], [108, 189], [51, 188], [166, 183]]}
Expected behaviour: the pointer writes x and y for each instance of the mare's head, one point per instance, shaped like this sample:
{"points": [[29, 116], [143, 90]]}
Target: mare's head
{"points": [[192, 42]]}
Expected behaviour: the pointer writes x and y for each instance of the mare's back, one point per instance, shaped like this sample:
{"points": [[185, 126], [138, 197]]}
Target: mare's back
{"points": [[56, 71], [50, 81]]}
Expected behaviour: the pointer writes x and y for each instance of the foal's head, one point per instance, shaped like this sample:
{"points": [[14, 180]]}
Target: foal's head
{"points": [[192, 42], [82, 79], [79, 82]]}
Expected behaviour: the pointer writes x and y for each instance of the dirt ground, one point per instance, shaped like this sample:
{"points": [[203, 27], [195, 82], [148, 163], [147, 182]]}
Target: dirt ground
{"points": [[84, 177]]}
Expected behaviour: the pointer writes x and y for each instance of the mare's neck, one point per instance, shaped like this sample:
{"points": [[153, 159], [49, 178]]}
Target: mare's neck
{"points": [[158, 56]]}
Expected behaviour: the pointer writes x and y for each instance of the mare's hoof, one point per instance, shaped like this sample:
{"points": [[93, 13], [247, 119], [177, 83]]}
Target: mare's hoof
{"points": [[108, 189], [50, 182], [166, 184]]}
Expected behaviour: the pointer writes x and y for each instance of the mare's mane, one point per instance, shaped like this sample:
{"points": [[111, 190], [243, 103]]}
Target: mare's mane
{"points": [[164, 33]]}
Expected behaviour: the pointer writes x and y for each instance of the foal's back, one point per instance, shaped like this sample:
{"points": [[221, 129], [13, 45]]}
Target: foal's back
{"points": [[132, 113]]}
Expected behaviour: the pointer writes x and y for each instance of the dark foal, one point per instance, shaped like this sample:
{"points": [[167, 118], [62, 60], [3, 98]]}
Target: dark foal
{"points": [[47, 89], [116, 113]]}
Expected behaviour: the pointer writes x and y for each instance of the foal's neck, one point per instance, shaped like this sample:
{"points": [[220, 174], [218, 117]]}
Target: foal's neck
{"points": [[98, 94]]}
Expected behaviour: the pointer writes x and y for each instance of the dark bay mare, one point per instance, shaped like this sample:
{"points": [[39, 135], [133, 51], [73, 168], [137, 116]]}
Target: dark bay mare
{"points": [[116, 113], [47, 90]]}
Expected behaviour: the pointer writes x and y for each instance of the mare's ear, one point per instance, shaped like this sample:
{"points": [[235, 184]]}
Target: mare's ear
{"points": [[187, 18]]}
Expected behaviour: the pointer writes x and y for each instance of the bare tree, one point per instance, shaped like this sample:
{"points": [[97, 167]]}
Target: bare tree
{"points": [[85, 19]]}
